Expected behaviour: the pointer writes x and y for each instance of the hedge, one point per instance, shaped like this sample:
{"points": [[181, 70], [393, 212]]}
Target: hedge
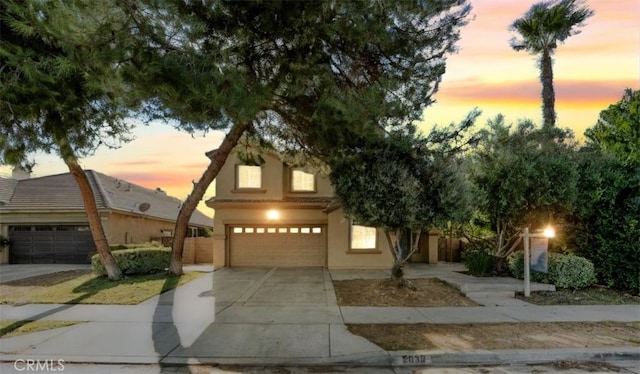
{"points": [[478, 262], [564, 270], [136, 261]]}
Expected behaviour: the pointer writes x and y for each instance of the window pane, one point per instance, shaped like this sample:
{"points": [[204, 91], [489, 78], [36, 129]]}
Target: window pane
{"points": [[249, 176], [260, 230], [282, 230], [363, 237], [294, 230], [248, 230], [302, 181], [271, 230], [317, 230], [237, 230], [305, 230]]}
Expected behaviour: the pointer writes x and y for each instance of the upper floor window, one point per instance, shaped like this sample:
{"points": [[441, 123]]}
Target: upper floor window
{"points": [[302, 181], [248, 176], [363, 237]]}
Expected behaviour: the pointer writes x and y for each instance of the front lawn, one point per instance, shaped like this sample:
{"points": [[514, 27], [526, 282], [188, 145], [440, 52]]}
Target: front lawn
{"points": [[13, 328], [83, 287]]}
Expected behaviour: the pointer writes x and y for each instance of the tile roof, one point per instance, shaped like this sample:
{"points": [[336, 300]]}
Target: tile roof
{"points": [[61, 193]]}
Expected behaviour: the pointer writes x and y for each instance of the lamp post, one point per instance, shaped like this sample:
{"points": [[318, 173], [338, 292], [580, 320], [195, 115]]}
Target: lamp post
{"points": [[547, 233]]}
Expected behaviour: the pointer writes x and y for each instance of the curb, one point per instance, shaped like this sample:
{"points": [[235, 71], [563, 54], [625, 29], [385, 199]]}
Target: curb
{"points": [[514, 356], [394, 359]]}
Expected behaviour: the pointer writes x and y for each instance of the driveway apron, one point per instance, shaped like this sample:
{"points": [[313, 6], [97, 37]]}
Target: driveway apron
{"points": [[270, 314]]}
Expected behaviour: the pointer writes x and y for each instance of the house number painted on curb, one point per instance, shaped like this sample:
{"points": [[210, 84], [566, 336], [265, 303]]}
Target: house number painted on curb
{"points": [[415, 359]]}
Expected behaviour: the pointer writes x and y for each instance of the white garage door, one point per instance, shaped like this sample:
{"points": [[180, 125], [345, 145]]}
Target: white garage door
{"points": [[278, 246]]}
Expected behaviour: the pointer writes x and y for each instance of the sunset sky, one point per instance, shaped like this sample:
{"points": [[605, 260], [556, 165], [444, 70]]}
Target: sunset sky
{"points": [[591, 71]]}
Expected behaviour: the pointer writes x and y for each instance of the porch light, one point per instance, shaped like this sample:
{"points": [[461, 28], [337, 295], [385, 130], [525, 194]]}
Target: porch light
{"points": [[549, 232], [273, 214]]}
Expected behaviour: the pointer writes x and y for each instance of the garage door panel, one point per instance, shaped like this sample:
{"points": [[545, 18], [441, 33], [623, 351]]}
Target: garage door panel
{"points": [[294, 246], [50, 244]]}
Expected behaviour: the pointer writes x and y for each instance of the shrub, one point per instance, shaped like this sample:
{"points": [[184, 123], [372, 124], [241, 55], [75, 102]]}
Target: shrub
{"points": [[564, 270], [606, 223], [152, 244], [515, 262], [117, 247], [478, 262], [571, 271], [136, 261]]}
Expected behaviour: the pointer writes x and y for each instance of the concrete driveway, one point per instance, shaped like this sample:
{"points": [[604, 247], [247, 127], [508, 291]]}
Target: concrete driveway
{"points": [[269, 314], [12, 272]]}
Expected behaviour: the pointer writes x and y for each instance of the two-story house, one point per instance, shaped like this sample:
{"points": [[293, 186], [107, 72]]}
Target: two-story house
{"points": [[276, 215]]}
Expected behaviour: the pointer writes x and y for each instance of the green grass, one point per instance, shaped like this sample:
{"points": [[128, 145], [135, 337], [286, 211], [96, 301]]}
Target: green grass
{"points": [[13, 328], [587, 296], [86, 288]]}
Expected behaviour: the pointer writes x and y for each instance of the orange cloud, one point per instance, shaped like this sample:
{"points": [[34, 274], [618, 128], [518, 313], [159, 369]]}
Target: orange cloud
{"points": [[579, 92], [154, 179]]}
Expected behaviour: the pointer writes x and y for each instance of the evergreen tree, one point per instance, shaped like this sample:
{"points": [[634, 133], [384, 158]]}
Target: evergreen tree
{"points": [[618, 129], [404, 182], [525, 177], [318, 75], [60, 89]]}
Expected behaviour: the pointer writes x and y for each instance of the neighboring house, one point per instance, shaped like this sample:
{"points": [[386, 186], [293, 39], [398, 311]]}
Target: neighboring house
{"points": [[45, 220], [278, 215]]}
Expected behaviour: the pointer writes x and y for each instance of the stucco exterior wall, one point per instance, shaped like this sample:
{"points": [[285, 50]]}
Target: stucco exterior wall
{"points": [[198, 250], [341, 257], [323, 185], [272, 186], [257, 214], [294, 207], [125, 229]]}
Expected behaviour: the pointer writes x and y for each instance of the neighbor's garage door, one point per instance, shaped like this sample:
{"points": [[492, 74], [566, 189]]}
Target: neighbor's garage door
{"points": [[283, 246], [50, 244]]}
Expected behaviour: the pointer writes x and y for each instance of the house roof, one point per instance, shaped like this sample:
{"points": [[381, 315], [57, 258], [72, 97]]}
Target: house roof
{"points": [[61, 193]]}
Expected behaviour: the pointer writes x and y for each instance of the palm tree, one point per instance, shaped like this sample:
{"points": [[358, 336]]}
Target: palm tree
{"points": [[541, 28]]}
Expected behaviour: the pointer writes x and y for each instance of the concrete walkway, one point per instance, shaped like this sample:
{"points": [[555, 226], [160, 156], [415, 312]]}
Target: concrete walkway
{"points": [[281, 316]]}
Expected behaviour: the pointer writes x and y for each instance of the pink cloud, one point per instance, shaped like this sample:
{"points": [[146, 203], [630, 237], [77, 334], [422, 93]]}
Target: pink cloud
{"points": [[509, 92], [162, 179]]}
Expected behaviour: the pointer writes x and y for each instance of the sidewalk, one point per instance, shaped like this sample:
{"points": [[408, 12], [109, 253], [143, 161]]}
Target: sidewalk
{"points": [[284, 316]]}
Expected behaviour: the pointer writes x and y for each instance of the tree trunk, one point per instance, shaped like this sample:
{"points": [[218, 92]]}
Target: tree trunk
{"points": [[88, 197], [548, 94], [218, 157], [397, 269]]}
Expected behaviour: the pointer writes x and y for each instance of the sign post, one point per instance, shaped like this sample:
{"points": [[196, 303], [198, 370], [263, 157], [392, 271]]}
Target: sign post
{"points": [[541, 250]]}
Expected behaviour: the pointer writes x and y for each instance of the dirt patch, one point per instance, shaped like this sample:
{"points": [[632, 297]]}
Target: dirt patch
{"points": [[457, 337], [48, 279], [596, 295], [429, 292]]}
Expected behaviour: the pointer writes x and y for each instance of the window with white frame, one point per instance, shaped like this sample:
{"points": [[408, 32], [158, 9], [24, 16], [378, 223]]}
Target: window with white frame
{"points": [[363, 237], [301, 181], [248, 176]]}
